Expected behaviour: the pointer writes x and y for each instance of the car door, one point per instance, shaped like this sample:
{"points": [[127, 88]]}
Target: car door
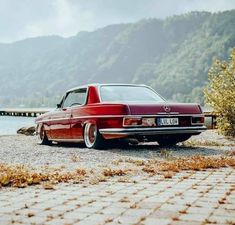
{"points": [[77, 116], [60, 127]]}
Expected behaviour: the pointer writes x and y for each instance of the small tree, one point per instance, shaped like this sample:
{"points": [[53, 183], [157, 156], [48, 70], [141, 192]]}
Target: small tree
{"points": [[220, 93]]}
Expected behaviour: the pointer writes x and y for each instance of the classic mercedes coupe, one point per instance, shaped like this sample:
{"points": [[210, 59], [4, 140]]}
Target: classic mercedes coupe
{"points": [[97, 113]]}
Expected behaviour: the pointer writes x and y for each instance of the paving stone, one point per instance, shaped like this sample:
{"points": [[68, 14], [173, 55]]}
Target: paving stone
{"points": [[150, 201], [57, 221], [173, 207], [222, 219], [138, 212], [76, 215], [149, 205], [158, 199], [163, 214], [224, 212], [100, 218], [36, 220], [194, 217], [154, 221], [5, 220], [121, 204], [127, 219], [200, 210], [205, 204], [88, 222], [113, 210], [180, 222]]}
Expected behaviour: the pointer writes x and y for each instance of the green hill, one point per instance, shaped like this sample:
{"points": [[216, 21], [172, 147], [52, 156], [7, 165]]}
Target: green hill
{"points": [[171, 55]]}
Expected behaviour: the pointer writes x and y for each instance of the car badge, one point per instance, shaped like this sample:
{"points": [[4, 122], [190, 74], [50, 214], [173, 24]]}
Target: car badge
{"points": [[166, 108]]}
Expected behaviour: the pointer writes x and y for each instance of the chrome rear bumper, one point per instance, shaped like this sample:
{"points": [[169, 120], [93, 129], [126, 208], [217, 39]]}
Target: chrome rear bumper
{"points": [[153, 130]]}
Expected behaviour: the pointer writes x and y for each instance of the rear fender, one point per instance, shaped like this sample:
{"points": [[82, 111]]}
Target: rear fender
{"points": [[86, 122]]}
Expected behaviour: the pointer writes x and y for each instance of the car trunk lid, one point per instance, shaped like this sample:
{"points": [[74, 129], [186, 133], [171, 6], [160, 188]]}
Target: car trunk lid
{"points": [[164, 108]]}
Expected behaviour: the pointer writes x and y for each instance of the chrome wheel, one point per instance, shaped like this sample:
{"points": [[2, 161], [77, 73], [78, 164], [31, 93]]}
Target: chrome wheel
{"points": [[92, 137], [44, 138], [42, 134], [90, 134]]}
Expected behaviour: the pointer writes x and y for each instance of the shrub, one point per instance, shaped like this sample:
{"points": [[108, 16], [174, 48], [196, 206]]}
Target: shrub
{"points": [[220, 93]]}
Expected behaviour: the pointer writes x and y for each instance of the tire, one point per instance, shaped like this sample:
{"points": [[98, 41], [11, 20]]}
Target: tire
{"points": [[44, 138], [172, 140], [92, 137]]}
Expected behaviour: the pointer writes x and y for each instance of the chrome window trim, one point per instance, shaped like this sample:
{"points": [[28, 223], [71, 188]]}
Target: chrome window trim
{"points": [[130, 85], [67, 93]]}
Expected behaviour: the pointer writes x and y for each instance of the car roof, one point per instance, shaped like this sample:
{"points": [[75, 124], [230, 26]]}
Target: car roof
{"points": [[98, 85]]}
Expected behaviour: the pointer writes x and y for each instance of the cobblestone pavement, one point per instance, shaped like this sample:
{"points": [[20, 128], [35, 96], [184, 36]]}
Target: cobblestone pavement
{"points": [[189, 197]]}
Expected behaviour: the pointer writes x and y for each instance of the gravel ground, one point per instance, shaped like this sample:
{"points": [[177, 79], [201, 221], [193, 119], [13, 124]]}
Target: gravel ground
{"points": [[20, 149]]}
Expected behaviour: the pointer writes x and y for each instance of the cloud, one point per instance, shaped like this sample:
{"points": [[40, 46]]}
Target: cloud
{"points": [[66, 19], [31, 18], [70, 17]]}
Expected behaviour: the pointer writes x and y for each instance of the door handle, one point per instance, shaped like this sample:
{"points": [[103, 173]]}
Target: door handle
{"points": [[67, 116]]}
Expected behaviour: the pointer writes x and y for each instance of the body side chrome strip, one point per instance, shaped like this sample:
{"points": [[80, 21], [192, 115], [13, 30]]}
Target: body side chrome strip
{"points": [[82, 117], [66, 140], [118, 116]]}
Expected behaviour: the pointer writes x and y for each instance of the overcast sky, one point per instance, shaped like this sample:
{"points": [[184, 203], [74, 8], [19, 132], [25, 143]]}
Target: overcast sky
{"points": [[21, 19]]}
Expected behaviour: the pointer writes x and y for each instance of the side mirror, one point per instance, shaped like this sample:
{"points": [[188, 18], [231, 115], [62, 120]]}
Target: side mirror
{"points": [[58, 106]]}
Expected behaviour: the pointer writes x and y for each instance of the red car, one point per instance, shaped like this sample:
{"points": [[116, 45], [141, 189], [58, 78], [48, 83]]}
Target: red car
{"points": [[96, 113]]}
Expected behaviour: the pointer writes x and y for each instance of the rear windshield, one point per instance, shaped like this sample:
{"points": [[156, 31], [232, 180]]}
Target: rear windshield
{"points": [[141, 94]]}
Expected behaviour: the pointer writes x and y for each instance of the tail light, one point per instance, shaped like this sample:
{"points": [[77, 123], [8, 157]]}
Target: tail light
{"points": [[198, 120], [132, 121]]}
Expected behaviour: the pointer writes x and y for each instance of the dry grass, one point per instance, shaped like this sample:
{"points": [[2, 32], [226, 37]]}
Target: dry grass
{"points": [[184, 211], [175, 218], [197, 162], [195, 143], [75, 158], [124, 199], [30, 214], [168, 174], [166, 154], [97, 179], [137, 162], [20, 176], [123, 180], [114, 172], [109, 220], [48, 186], [231, 153], [134, 206]]}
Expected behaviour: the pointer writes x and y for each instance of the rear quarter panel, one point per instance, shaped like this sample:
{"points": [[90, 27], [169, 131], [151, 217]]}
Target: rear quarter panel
{"points": [[103, 115]]}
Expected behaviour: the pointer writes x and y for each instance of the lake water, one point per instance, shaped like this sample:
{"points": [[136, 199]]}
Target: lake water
{"points": [[10, 124]]}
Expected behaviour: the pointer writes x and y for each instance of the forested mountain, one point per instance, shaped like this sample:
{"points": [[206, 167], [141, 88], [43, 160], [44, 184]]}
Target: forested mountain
{"points": [[172, 55]]}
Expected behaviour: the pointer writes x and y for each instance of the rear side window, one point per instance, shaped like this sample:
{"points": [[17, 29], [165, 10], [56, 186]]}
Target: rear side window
{"points": [[75, 98], [135, 94]]}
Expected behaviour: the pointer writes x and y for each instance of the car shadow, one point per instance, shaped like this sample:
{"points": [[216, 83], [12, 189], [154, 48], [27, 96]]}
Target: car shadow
{"points": [[147, 150], [151, 150]]}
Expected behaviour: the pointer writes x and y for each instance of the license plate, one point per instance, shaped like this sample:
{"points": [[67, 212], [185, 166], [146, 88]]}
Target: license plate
{"points": [[167, 121]]}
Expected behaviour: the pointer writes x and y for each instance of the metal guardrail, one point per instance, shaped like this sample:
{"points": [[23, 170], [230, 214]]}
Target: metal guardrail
{"points": [[210, 120], [26, 112]]}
